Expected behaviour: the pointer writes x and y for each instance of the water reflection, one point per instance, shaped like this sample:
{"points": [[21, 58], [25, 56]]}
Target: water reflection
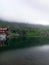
{"points": [[38, 55], [44, 48]]}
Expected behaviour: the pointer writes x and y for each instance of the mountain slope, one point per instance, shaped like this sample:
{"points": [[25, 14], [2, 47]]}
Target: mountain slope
{"points": [[16, 24]]}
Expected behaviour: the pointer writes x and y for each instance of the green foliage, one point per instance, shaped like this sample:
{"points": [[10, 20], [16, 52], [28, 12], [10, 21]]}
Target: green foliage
{"points": [[25, 36]]}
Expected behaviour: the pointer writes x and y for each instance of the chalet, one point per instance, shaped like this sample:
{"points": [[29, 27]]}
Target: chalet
{"points": [[3, 36]]}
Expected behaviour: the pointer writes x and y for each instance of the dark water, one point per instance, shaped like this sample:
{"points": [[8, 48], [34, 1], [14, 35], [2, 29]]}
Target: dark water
{"points": [[38, 55]]}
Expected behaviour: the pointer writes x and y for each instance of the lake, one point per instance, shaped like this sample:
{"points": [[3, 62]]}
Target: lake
{"points": [[37, 55]]}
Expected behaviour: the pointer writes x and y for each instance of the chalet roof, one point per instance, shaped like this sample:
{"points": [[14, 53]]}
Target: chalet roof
{"points": [[3, 29]]}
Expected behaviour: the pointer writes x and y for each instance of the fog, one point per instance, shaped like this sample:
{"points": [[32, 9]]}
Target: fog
{"points": [[25, 11]]}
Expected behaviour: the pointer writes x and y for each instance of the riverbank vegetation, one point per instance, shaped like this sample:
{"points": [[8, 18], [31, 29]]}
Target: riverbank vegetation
{"points": [[22, 36]]}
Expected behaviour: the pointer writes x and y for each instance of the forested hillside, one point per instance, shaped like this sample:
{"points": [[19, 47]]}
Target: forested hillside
{"points": [[29, 29], [23, 35]]}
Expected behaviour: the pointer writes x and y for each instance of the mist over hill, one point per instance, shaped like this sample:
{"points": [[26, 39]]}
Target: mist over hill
{"points": [[4, 23]]}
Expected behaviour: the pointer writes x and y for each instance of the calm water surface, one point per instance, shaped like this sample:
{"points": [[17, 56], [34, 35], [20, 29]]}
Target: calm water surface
{"points": [[38, 55]]}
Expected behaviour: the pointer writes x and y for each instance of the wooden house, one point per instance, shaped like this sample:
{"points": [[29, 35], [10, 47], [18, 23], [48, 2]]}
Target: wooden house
{"points": [[3, 36]]}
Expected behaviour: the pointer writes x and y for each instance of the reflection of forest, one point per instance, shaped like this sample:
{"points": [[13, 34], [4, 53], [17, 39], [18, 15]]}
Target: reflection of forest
{"points": [[21, 35]]}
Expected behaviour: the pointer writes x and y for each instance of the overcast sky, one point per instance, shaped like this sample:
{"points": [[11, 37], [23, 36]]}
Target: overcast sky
{"points": [[27, 11]]}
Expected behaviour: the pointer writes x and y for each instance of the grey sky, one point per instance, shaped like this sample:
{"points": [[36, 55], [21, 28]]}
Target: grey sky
{"points": [[28, 11]]}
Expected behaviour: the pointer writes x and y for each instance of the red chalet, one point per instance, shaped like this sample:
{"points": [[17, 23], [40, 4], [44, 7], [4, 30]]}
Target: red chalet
{"points": [[3, 36]]}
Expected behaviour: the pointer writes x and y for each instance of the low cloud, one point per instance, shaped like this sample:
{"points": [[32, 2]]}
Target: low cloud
{"points": [[28, 11]]}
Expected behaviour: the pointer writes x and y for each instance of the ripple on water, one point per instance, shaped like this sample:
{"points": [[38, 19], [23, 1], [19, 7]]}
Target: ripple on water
{"points": [[38, 55]]}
